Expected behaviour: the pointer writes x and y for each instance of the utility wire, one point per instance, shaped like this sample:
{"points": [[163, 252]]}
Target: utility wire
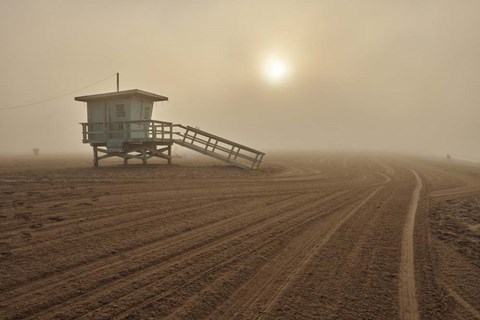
{"points": [[56, 97]]}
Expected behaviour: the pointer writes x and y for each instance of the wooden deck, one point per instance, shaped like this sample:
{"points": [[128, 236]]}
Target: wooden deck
{"points": [[144, 137]]}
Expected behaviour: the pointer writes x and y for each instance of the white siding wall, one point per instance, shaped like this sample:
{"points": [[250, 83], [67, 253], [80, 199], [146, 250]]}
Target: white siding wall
{"points": [[135, 109], [135, 115], [96, 113], [118, 110]]}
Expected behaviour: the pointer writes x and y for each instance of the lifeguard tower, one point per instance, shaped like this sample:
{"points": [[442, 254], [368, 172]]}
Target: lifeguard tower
{"points": [[120, 125]]}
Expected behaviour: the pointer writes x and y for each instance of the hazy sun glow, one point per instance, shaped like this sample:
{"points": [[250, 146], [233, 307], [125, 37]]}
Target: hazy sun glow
{"points": [[276, 70]]}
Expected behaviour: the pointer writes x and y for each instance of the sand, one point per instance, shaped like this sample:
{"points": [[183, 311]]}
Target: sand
{"points": [[309, 236]]}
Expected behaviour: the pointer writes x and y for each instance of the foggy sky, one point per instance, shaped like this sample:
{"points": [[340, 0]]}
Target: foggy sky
{"points": [[365, 75]]}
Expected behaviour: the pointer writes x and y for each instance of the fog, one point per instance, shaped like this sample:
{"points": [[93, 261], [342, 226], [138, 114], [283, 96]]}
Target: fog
{"points": [[380, 75]]}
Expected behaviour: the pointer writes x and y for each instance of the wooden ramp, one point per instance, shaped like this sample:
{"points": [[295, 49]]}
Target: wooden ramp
{"points": [[217, 147]]}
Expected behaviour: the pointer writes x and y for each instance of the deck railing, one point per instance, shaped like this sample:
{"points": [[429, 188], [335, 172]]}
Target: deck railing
{"points": [[128, 131]]}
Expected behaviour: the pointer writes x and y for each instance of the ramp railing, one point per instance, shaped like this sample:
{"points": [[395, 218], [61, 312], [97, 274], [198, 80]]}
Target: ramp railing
{"points": [[217, 147]]}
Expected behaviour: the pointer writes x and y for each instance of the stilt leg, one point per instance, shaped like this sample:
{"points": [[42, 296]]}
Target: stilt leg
{"points": [[125, 160], [95, 157], [170, 154], [144, 156]]}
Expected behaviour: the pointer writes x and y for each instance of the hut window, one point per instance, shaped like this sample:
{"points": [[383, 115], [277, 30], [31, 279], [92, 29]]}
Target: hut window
{"points": [[146, 115], [120, 111]]}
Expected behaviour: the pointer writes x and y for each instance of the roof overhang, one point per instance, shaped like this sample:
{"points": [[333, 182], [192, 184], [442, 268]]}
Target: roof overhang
{"points": [[122, 94]]}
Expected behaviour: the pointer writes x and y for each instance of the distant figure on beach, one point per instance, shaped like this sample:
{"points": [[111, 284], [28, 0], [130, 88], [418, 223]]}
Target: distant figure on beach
{"points": [[449, 157], [36, 151]]}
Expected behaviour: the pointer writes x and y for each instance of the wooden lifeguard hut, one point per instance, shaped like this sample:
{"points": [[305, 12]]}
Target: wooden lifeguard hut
{"points": [[120, 125]]}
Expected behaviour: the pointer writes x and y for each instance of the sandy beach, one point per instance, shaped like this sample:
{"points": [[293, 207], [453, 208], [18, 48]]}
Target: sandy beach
{"points": [[317, 236]]}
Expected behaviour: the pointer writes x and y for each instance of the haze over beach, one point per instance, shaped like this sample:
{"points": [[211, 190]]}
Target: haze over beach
{"points": [[304, 159], [397, 76]]}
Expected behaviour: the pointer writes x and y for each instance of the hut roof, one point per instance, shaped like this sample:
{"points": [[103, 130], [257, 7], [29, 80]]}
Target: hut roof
{"points": [[122, 94]]}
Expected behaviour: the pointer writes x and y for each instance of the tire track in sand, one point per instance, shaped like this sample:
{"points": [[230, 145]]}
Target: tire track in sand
{"points": [[306, 260], [251, 293], [51, 286], [300, 218], [407, 288], [94, 283], [463, 303]]}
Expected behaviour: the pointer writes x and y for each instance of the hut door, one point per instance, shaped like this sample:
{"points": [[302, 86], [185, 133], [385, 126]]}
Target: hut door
{"points": [[117, 116]]}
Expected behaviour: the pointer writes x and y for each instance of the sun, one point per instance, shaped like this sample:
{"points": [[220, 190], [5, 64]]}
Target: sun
{"points": [[276, 70]]}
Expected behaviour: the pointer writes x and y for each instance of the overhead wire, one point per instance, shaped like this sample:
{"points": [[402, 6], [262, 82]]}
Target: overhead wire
{"points": [[56, 97]]}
